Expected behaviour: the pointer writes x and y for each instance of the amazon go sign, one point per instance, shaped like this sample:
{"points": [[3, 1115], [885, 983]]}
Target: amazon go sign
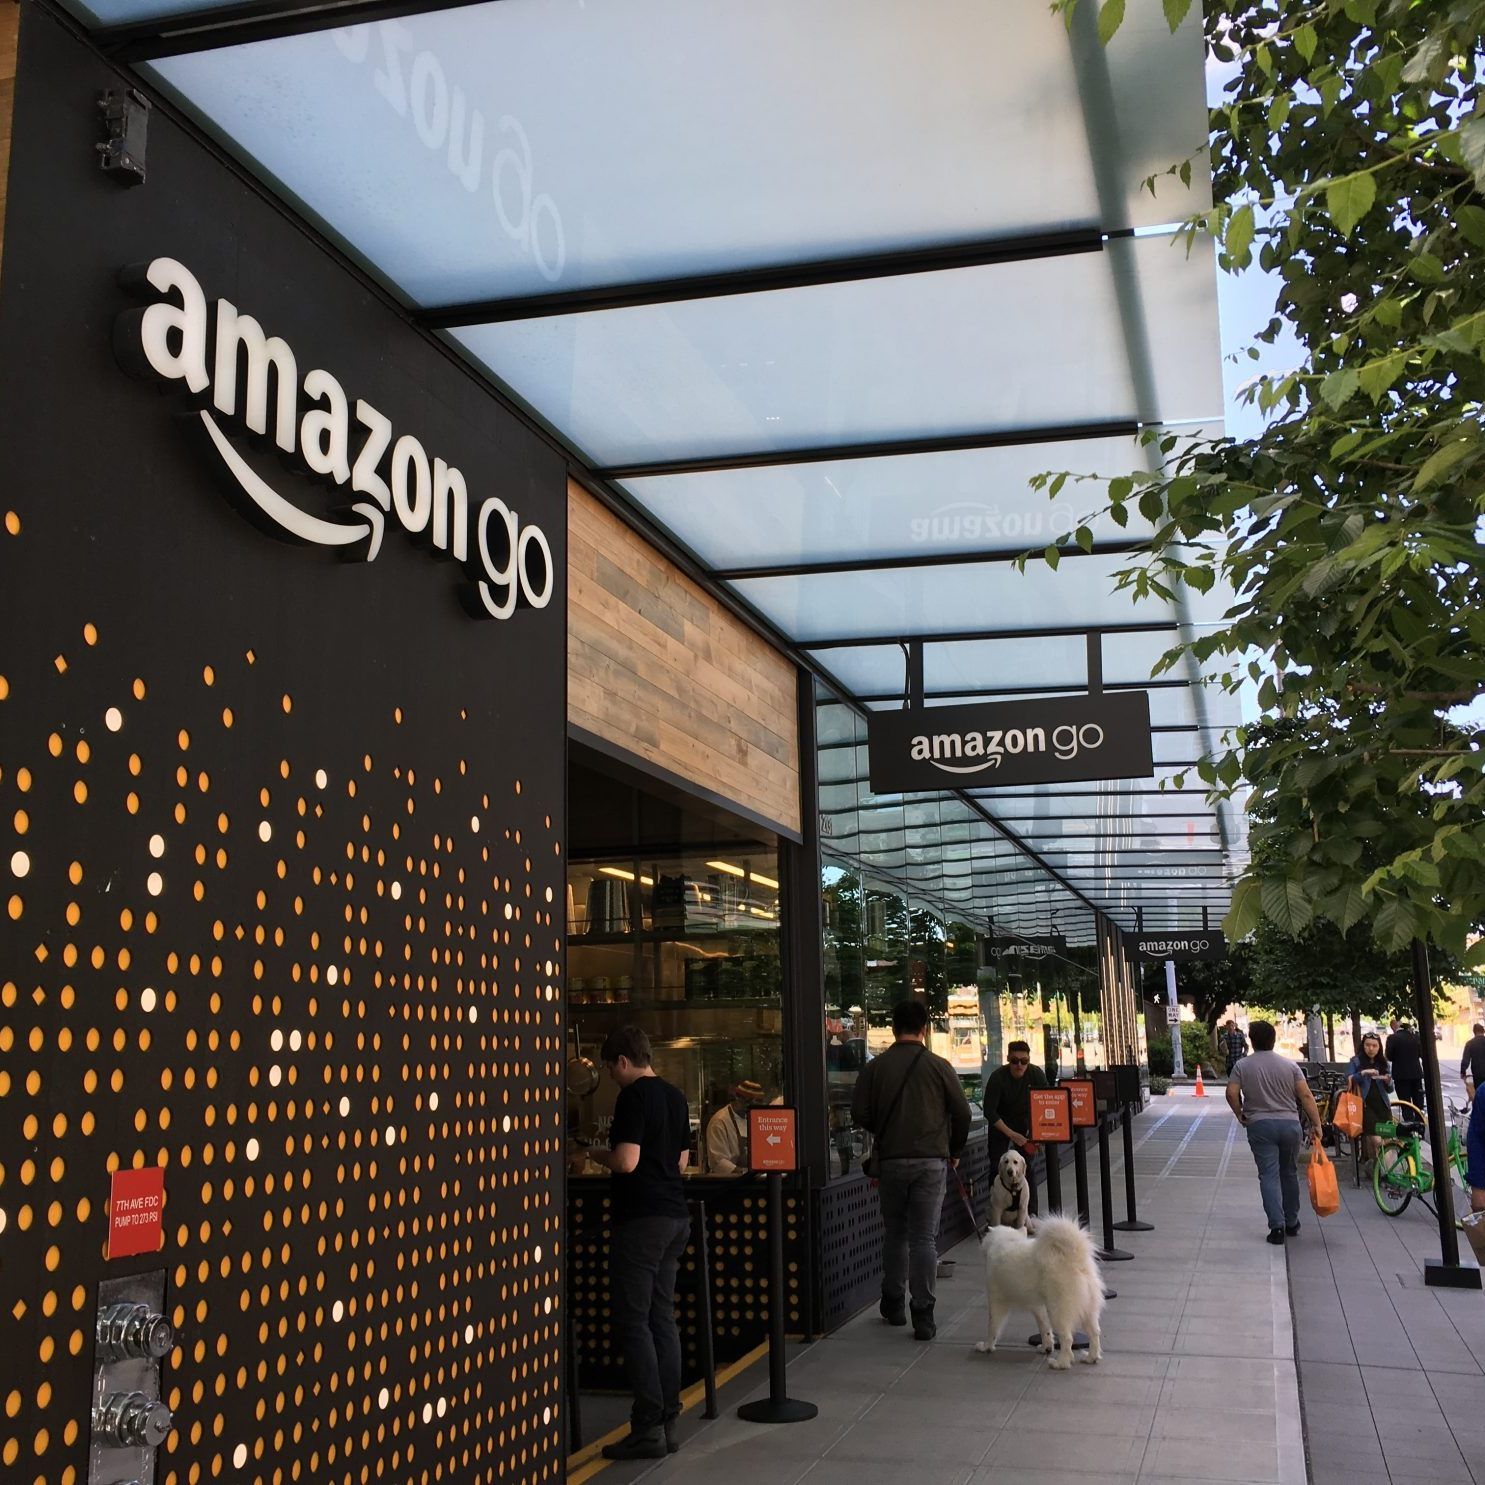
{"points": [[243, 380], [1038, 741]]}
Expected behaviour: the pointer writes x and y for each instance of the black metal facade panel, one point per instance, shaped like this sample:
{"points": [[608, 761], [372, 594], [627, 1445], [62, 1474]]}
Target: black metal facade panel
{"points": [[848, 1227], [283, 873], [737, 1239]]}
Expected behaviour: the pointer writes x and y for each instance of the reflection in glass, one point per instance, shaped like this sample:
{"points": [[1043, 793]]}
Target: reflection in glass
{"points": [[685, 944]]}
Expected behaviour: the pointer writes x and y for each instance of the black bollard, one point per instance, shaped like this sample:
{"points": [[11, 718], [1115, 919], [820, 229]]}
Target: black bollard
{"points": [[1132, 1222], [778, 1406], [1054, 1178], [1080, 1176], [1108, 1253], [704, 1309]]}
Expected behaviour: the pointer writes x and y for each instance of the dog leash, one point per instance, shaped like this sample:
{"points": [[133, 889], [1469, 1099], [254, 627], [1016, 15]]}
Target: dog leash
{"points": [[969, 1209]]}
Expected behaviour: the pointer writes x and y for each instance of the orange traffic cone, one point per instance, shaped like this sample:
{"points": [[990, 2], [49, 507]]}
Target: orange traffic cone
{"points": [[1201, 1088]]}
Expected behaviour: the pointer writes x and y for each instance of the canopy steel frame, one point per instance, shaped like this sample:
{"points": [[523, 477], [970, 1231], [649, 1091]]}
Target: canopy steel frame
{"points": [[966, 636], [208, 28], [1002, 438], [827, 566], [981, 252]]}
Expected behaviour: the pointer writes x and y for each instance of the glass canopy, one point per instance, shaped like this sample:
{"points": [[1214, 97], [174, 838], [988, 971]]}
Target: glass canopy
{"points": [[818, 290]]}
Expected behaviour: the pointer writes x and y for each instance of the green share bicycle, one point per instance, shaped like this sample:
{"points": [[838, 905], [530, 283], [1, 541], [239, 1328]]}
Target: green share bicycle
{"points": [[1401, 1172]]}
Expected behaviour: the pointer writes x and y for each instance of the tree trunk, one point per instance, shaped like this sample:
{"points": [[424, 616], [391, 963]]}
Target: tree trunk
{"points": [[1330, 1032], [1356, 1031]]}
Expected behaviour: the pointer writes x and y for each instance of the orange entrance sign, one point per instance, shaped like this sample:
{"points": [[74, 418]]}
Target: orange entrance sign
{"points": [[1051, 1115], [771, 1143], [1084, 1104]]}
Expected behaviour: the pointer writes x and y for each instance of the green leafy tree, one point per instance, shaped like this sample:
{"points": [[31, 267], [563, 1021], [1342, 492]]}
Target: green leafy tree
{"points": [[1346, 975], [1348, 156]]}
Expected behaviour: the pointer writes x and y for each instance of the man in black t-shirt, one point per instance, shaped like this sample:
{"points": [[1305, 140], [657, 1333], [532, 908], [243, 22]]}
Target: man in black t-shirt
{"points": [[649, 1147]]}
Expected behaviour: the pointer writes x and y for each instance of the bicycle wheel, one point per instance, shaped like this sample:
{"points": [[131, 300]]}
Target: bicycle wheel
{"points": [[1392, 1184]]}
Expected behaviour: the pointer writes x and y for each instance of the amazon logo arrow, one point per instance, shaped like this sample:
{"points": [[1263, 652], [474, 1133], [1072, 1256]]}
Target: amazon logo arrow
{"points": [[234, 372]]}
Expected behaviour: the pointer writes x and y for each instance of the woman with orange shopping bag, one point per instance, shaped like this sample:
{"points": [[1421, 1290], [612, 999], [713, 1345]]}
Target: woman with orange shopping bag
{"points": [[1371, 1081], [1272, 1101]]}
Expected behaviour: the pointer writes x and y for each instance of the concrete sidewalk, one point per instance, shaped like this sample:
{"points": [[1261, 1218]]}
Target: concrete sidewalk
{"points": [[1392, 1373], [1197, 1383]]}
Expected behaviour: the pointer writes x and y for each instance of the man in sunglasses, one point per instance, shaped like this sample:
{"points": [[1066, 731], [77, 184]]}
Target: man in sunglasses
{"points": [[1007, 1105]]}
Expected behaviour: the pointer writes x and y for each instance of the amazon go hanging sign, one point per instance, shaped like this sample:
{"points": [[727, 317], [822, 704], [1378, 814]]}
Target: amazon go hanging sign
{"points": [[244, 381], [1040, 741], [1184, 948]]}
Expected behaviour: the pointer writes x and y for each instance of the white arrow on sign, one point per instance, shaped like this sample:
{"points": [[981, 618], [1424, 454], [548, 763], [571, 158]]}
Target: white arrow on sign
{"points": [[774, 1139]]}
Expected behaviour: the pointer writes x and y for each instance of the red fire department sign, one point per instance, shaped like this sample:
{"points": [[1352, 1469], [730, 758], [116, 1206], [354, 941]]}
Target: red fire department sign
{"points": [[771, 1144], [136, 1212]]}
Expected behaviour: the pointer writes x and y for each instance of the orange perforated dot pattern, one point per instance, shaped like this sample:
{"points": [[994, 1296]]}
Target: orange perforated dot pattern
{"points": [[313, 969]]}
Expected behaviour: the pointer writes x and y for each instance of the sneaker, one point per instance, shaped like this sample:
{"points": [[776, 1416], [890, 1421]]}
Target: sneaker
{"points": [[1291, 1229], [646, 1443], [894, 1312], [923, 1327], [1276, 1235]]}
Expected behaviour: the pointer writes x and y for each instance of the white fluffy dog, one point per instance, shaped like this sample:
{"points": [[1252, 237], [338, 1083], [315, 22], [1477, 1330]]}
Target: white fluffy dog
{"points": [[1010, 1196], [1054, 1275]]}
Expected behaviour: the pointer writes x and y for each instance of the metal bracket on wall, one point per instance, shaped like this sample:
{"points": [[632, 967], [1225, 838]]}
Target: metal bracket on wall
{"points": [[125, 113], [130, 1421]]}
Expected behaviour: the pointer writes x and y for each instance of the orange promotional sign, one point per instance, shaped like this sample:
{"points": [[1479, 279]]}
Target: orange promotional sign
{"points": [[1051, 1116], [1084, 1103], [771, 1142]]}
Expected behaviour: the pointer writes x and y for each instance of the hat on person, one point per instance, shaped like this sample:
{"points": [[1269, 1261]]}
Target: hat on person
{"points": [[749, 1091]]}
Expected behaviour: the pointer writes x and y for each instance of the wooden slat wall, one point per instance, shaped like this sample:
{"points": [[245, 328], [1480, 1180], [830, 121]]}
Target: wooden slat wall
{"points": [[662, 670], [10, 18]]}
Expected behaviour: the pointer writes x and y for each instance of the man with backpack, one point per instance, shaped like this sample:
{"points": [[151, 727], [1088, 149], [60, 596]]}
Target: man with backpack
{"points": [[912, 1102]]}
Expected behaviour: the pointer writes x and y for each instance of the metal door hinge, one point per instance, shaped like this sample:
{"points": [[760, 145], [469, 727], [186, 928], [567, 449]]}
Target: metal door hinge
{"points": [[126, 113]]}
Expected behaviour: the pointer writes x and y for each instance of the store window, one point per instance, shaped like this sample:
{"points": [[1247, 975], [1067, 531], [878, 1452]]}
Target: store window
{"points": [[685, 944]]}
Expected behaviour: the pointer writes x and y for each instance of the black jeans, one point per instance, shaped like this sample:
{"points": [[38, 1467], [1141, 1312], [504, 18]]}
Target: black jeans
{"points": [[643, 1262]]}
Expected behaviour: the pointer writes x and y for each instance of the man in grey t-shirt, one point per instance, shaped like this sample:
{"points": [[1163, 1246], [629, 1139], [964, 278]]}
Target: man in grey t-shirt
{"points": [[1270, 1097]]}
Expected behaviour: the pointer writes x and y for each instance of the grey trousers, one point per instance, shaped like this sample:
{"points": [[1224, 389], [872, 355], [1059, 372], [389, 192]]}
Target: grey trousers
{"points": [[1275, 1146], [912, 1195]]}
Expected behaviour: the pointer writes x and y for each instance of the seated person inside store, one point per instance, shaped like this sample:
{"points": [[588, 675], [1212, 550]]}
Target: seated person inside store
{"points": [[649, 1147], [1007, 1105], [727, 1131]]}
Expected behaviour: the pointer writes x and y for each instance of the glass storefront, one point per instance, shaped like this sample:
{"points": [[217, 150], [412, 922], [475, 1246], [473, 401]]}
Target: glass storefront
{"points": [[912, 887], [681, 938]]}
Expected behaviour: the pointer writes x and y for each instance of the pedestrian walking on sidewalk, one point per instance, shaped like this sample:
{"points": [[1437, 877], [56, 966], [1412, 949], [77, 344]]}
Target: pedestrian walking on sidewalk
{"points": [[1234, 1045], [1268, 1094], [649, 1147], [1472, 1063], [913, 1103], [1405, 1053]]}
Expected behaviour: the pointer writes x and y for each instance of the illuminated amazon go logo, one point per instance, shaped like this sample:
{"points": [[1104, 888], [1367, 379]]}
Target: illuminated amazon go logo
{"points": [[976, 751], [238, 375]]}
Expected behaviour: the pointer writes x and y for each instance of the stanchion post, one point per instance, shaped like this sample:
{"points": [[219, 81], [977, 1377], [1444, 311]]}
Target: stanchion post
{"points": [[1132, 1222], [1080, 1176], [1108, 1253], [704, 1316], [778, 1406], [1446, 1271]]}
